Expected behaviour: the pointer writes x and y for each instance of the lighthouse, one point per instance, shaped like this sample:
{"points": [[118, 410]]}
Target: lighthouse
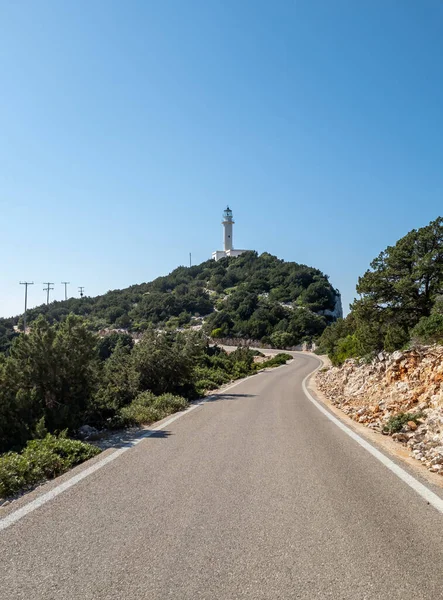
{"points": [[228, 242], [227, 223]]}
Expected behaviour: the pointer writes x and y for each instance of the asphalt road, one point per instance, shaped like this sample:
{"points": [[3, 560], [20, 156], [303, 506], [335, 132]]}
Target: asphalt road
{"points": [[254, 495]]}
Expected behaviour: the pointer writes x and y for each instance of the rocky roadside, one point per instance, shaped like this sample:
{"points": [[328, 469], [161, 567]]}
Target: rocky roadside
{"points": [[398, 394]]}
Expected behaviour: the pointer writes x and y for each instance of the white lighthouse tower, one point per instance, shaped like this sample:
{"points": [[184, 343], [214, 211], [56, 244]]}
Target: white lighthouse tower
{"points": [[227, 223], [228, 242]]}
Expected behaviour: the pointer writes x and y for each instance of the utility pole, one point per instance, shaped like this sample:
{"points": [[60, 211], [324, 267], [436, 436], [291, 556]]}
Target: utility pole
{"points": [[66, 283], [48, 289], [25, 283], [190, 259], [81, 290]]}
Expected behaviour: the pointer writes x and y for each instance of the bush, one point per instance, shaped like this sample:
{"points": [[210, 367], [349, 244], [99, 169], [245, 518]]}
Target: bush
{"points": [[327, 344], [429, 329], [163, 363], [275, 361], [168, 404], [242, 360], [40, 460], [396, 422], [215, 375], [13, 473], [148, 408], [396, 338], [345, 348], [205, 385], [282, 339], [107, 345]]}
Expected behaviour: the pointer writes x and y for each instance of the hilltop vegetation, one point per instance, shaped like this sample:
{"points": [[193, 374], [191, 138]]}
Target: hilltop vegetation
{"points": [[256, 297], [400, 300]]}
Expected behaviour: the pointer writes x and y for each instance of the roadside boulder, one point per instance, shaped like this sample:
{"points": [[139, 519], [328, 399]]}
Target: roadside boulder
{"points": [[86, 432]]}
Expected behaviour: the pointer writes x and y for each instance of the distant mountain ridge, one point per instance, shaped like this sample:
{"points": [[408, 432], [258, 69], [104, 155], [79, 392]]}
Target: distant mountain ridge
{"points": [[260, 297]]}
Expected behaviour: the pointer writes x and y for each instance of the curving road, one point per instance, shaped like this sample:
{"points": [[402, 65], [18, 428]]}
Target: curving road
{"points": [[255, 494]]}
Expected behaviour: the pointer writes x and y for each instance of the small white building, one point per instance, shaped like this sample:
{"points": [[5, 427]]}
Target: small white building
{"points": [[228, 243]]}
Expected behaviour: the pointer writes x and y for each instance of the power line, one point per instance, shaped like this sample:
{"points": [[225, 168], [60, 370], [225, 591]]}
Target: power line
{"points": [[81, 290], [48, 289], [25, 283], [66, 283]]}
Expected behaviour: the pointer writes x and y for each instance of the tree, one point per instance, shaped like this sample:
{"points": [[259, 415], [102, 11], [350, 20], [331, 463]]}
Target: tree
{"points": [[119, 383], [319, 295], [347, 347], [160, 366], [400, 296], [220, 320], [107, 344], [305, 325], [429, 330], [123, 322], [58, 369], [330, 337], [282, 339], [404, 280], [19, 412], [396, 338]]}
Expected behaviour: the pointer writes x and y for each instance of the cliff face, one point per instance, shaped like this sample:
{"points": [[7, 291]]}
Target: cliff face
{"points": [[407, 385]]}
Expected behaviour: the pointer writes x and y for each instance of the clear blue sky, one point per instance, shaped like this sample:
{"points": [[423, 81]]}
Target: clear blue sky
{"points": [[126, 127]]}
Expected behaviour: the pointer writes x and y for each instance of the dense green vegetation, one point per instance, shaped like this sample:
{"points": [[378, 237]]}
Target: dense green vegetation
{"points": [[256, 297], [41, 459], [62, 376], [400, 300]]}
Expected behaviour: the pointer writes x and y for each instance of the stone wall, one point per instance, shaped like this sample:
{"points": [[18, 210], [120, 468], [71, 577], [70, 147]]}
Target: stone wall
{"points": [[258, 344]]}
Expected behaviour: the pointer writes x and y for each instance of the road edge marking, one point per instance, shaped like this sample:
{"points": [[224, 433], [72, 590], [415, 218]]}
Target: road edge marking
{"points": [[431, 498], [18, 514]]}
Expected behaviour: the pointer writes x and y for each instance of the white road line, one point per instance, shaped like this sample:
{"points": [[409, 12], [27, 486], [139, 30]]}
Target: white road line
{"points": [[413, 483], [44, 498]]}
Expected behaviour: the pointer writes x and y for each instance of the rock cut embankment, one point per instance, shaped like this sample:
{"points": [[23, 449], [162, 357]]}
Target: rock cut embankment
{"points": [[399, 393]]}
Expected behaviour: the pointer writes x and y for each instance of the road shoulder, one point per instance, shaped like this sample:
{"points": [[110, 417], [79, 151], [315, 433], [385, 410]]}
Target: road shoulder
{"points": [[384, 443]]}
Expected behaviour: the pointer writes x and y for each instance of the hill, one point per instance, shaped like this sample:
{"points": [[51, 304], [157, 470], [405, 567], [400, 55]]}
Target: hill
{"points": [[257, 297]]}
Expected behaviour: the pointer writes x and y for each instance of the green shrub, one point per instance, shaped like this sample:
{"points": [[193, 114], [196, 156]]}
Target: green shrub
{"points": [[141, 411], [215, 375], [282, 358], [275, 361], [396, 337], [327, 344], [168, 404], [13, 473], [345, 348], [396, 422], [205, 385], [429, 329], [242, 361], [147, 408], [282, 339], [40, 460]]}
